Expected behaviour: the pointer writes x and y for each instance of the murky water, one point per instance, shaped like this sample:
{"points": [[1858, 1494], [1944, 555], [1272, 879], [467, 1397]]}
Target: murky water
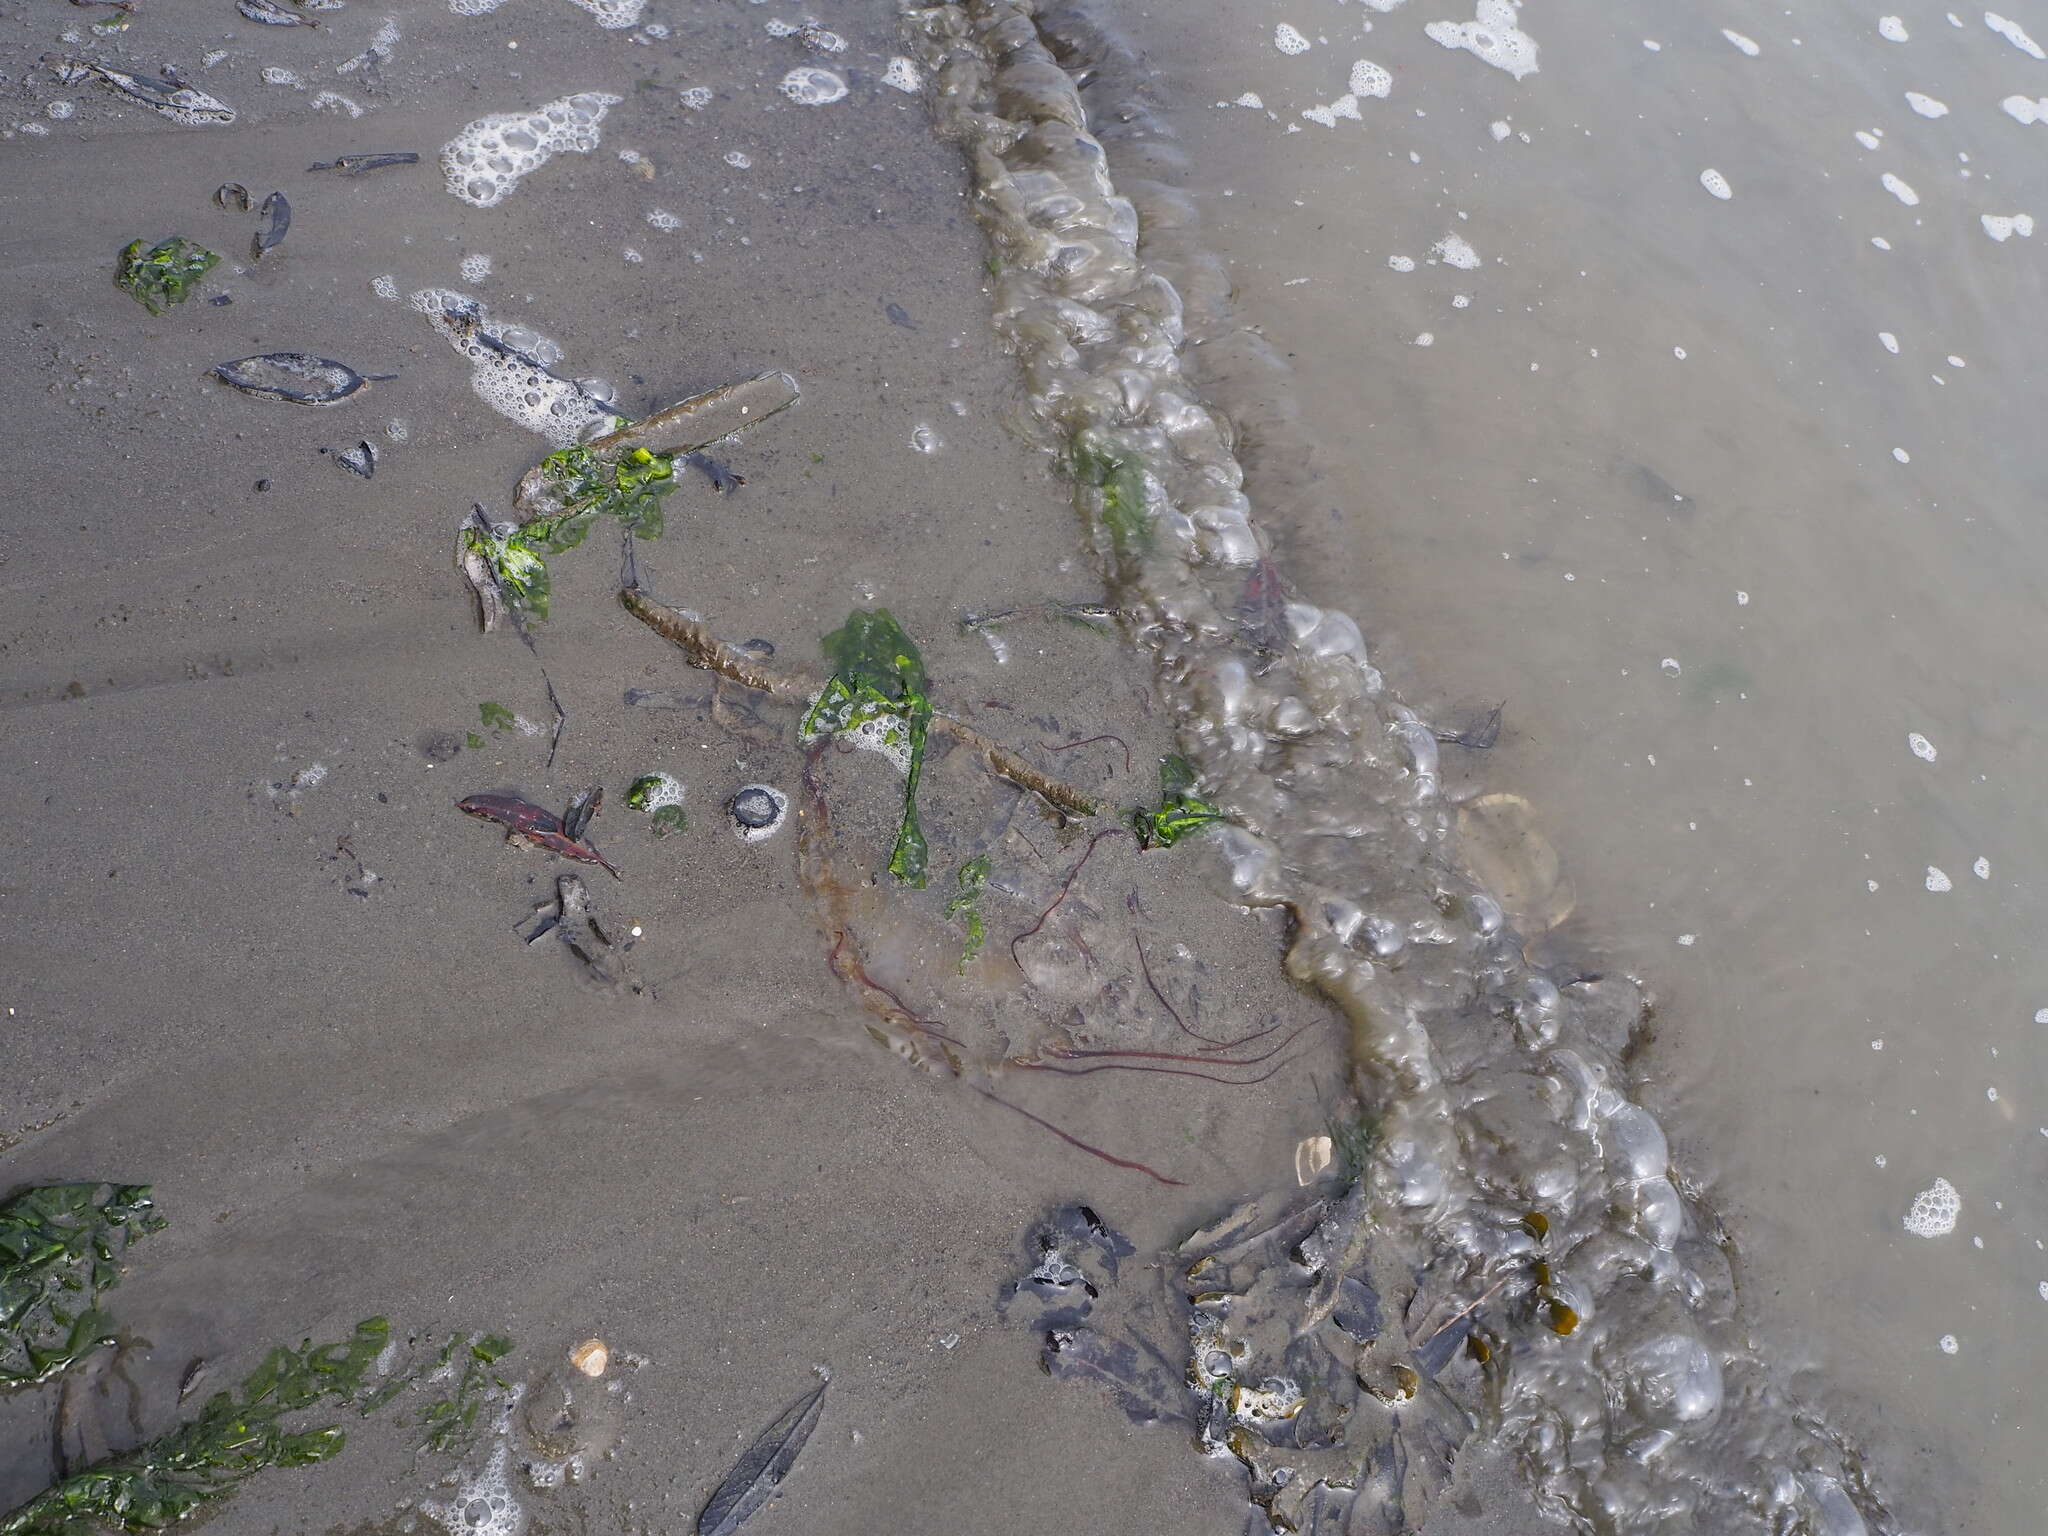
{"points": [[1731, 501], [1609, 380]]}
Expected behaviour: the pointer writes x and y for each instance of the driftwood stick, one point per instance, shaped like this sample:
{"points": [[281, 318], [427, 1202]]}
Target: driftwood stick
{"points": [[704, 649]]}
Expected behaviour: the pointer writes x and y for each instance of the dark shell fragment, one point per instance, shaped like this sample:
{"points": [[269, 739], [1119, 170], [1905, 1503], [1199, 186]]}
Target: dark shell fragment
{"points": [[299, 377], [278, 209], [231, 195]]}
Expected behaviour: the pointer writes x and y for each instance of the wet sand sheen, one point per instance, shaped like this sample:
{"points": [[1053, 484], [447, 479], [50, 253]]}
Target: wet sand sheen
{"points": [[516, 1077]]}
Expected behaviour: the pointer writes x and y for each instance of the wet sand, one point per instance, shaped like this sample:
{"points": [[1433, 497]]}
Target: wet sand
{"points": [[364, 1097]]}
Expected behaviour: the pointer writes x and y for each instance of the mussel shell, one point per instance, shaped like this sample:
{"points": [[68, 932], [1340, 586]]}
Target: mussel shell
{"points": [[299, 377]]}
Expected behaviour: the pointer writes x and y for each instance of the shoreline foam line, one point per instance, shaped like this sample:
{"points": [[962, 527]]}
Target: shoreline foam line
{"points": [[1511, 1159]]}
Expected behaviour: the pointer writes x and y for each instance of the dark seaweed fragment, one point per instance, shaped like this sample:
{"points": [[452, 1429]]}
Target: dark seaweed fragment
{"points": [[762, 1466], [358, 165]]}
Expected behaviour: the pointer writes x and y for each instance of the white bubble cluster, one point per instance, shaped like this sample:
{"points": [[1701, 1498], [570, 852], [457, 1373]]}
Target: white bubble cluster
{"points": [[1492, 35], [482, 1505], [1949, 1344], [1982, 870], [1716, 183], [1902, 456], [385, 286], [1401, 263], [334, 101], [476, 267], [1921, 747], [1288, 40], [809, 86], [902, 74], [2026, 109], [612, 14], [1328, 113], [1934, 1210], [663, 220], [1926, 105], [1369, 79], [489, 157], [1938, 881], [1899, 189], [695, 97], [277, 74], [1747, 44], [2003, 226], [1455, 251], [2015, 34], [509, 369], [1891, 29]]}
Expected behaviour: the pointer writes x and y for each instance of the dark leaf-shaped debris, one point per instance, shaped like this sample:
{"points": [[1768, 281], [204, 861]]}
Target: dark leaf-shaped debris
{"points": [[299, 377], [278, 209], [760, 1471]]}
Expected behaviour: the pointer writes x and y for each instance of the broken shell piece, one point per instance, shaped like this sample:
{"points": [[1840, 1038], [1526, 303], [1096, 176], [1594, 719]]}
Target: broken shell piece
{"points": [[299, 377], [591, 1357], [1311, 1156]]}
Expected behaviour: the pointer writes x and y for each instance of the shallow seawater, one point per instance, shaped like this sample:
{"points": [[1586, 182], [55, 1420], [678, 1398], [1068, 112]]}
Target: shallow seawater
{"points": [[1730, 499], [1621, 382]]}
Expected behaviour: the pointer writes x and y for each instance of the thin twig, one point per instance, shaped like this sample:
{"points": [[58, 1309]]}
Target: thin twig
{"points": [[706, 650], [1503, 1280], [1069, 746]]}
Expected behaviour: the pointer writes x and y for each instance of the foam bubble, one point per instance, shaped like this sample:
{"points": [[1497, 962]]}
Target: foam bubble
{"points": [[2003, 226], [482, 1505], [1926, 106], [1921, 747], [1369, 79], [2026, 109], [902, 74], [1982, 868], [1867, 139], [612, 14], [1455, 251], [663, 220], [1899, 189], [1949, 1344], [1670, 667], [277, 74], [1902, 456], [1747, 44], [487, 160], [385, 286], [475, 267], [374, 56], [1934, 1210], [1716, 183], [510, 369], [1426, 339], [1890, 342], [1891, 29], [1491, 35], [1251, 99], [2013, 33], [1288, 40], [1460, 300], [696, 97], [809, 86], [1327, 115], [334, 101], [1499, 128], [1401, 263], [1938, 882]]}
